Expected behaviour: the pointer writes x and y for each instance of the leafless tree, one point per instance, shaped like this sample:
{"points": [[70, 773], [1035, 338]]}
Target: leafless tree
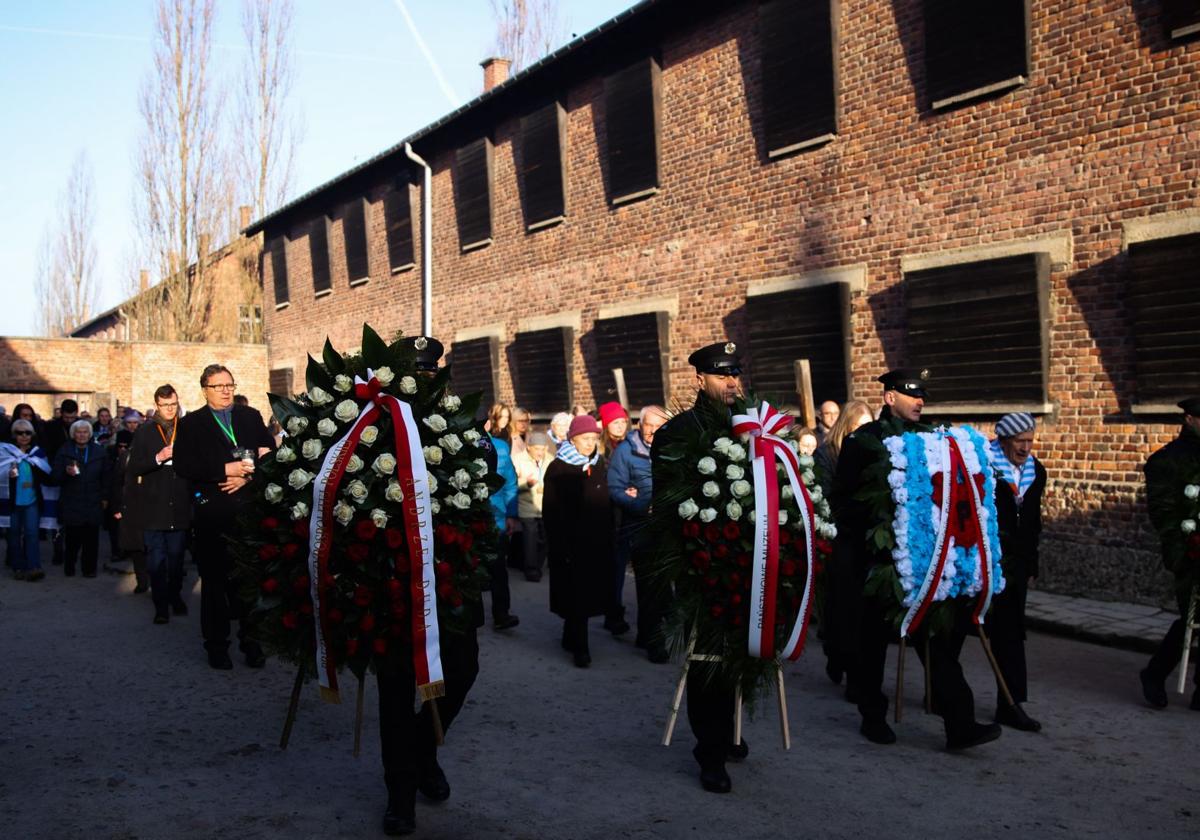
{"points": [[526, 30], [66, 283], [269, 133], [184, 190]]}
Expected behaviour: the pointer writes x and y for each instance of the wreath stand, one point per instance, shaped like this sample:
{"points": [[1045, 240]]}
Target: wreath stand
{"points": [[1189, 625], [677, 699], [991, 658]]}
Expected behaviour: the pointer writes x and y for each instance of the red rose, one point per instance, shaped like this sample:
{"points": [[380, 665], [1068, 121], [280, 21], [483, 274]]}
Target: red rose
{"points": [[394, 537], [735, 599], [442, 569], [445, 590], [716, 610], [289, 620], [711, 581], [721, 551], [731, 530], [445, 534], [743, 559], [290, 550], [818, 567], [480, 526], [474, 562], [362, 595], [399, 610], [367, 624], [270, 585], [734, 579], [400, 561], [327, 580], [380, 646], [333, 615], [300, 529], [1194, 539], [365, 530], [268, 552], [270, 523], [300, 584], [737, 620], [466, 540], [785, 536], [824, 546], [358, 553], [701, 560], [788, 567], [351, 647], [712, 533], [691, 530], [306, 608], [395, 587], [396, 630]]}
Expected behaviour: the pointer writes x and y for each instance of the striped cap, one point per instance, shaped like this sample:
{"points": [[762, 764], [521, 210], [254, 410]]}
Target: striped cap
{"points": [[1014, 424]]}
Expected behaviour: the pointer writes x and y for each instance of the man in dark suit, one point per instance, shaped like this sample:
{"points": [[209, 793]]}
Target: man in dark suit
{"points": [[216, 450]]}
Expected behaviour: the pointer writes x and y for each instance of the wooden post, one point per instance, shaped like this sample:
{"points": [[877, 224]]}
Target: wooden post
{"points": [[622, 394], [291, 712], [1189, 624], [784, 729], [439, 731], [991, 657], [898, 713], [677, 699], [808, 410], [737, 716]]}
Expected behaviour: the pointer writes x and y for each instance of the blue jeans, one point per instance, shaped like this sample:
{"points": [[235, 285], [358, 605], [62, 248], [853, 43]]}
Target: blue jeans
{"points": [[164, 563], [23, 538]]}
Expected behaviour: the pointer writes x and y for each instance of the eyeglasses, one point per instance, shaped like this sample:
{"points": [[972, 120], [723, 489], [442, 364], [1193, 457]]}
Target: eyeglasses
{"points": [[23, 433], [228, 387], [168, 405]]}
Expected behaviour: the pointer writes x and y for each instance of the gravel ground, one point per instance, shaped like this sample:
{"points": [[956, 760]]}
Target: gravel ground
{"points": [[115, 728]]}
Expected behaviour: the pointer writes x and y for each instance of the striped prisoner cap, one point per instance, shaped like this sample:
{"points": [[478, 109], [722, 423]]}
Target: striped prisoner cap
{"points": [[1014, 424]]}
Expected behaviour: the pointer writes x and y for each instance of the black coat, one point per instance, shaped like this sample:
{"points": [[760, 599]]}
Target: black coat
{"points": [[124, 498], [578, 517], [165, 502], [202, 450], [81, 496], [53, 435], [1168, 471], [1020, 526]]}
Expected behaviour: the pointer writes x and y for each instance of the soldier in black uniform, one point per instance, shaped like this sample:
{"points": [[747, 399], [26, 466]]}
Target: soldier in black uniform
{"points": [[1168, 472], [904, 399], [407, 740], [710, 702]]}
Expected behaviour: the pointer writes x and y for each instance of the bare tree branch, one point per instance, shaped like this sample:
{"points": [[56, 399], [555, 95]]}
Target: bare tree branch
{"points": [[66, 284], [527, 30]]}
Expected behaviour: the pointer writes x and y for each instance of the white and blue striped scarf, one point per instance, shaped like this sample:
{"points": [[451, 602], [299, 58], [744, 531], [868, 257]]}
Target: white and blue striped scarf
{"points": [[1018, 483], [10, 455], [567, 452]]}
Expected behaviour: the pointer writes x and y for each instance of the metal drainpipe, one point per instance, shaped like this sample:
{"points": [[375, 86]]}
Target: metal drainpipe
{"points": [[426, 243]]}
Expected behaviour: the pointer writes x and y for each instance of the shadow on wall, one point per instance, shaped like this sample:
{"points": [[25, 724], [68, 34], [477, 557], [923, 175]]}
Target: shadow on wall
{"points": [[1098, 294]]}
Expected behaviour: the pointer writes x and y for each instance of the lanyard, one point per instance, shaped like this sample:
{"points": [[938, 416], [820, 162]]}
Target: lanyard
{"points": [[228, 430], [86, 452], [175, 426]]}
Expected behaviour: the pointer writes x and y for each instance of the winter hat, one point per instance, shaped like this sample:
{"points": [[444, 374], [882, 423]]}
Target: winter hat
{"points": [[611, 411], [583, 424], [132, 415], [538, 439], [1014, 424]]}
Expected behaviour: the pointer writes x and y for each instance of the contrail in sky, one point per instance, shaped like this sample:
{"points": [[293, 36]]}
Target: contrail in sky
{"points": [[424, 48]]}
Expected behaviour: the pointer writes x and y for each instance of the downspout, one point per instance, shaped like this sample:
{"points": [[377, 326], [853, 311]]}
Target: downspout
{"points": [[122, 315], [426, 242]]}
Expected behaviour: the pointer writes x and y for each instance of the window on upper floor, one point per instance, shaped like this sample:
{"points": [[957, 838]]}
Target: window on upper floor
{"points": [[1181, 18], [1165, 318], [799, 73], [632, 108], [974, 49], [473, 193], [397, 215], [277, 253], [250, 329], [354, 234], [543, 166], [318, 254], [810, 323]]}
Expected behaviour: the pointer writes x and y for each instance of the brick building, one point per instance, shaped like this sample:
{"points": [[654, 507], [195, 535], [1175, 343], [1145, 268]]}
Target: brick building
{"points": [[1005, 193]]}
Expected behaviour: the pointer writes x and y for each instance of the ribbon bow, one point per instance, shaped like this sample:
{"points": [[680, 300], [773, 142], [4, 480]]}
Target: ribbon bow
{"points": [[370, 389], [763, 424]]}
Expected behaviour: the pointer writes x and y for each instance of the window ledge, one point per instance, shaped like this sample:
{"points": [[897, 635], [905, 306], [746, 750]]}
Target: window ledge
{"points": [[803, 144], [996, 87], [984, 408], [629, 198], [475, 246], [400, 269], [281, 306], [544, 223], [360, 281], [1155, 408], [1184, 31], [323, 293]]}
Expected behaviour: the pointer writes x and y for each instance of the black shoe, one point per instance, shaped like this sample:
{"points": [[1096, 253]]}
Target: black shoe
{"points": [[162, 617], [533, 577], [973, 736], [140, 588], [834, 673], [68, 572], [658, 655], [255, 658], [714, 779], [738, 752], [1016, 717], [616, 626], [179, 607], [1153, 690], [220, 660], [876, 730], [505, 622], [582, 659], [397, 824], [434, 786]]}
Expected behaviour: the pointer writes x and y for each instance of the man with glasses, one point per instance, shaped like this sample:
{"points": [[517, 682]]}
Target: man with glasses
{"points": [[216, 451]]}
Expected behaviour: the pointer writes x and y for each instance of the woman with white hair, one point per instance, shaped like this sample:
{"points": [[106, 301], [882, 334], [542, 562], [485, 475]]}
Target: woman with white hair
{"points": [[21, 499], [81, 472]]}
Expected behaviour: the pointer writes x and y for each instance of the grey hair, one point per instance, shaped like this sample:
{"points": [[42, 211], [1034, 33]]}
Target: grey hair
{"points": [[655, 409], [81, 424], [22, 425]]}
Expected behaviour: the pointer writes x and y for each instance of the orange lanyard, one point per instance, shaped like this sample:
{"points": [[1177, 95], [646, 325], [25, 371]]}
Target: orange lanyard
{"points": [[166, 442]]}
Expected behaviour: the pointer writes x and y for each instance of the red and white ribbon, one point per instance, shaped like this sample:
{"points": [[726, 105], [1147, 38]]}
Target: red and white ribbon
{"points": [[763, 424], [418, 528]]}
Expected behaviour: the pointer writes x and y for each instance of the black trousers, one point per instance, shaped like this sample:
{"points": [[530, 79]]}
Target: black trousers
{"points": [[406, 738], [710, 705], [219, 601], [1005, 628], [81, 539], [653, 598], [575, 635], [501, 598], [1170, 651]]}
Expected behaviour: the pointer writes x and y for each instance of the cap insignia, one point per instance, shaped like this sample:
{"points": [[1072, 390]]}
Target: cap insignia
{"points": [[730, 348]]}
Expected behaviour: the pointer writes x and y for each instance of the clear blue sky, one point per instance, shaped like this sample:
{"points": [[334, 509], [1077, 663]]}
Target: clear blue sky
{"points": [[70, 74]]}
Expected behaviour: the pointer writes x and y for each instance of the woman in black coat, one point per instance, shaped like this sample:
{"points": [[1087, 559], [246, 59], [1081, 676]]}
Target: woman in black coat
{"points": [[81, 470], [577, 513]]}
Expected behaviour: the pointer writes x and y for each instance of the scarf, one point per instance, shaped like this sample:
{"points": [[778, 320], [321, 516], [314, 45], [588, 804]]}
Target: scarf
{"points": [[1008, 471], [567, 452], [36, 457]]}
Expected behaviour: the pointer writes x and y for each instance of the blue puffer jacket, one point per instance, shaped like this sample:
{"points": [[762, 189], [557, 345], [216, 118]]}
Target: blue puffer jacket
{"points": [[630, 467], [504, 500]]}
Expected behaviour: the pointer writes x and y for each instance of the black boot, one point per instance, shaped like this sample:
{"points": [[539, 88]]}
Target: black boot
{"points": [[433, 785], [714, 779], [876, 730], [972, 735], [1015, 717], [398, 821], [1153, 690]]}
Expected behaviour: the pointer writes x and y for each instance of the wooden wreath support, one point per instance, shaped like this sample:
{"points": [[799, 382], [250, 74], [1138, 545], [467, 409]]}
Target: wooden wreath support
{"points": [[291, 712]]}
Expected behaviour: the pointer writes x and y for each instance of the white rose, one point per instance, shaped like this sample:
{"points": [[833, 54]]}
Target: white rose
{"points": [[296, 425], [385, 375], [312, 449], [711, 489], [808, 477], [707, 465], [343, 513], [450, 443], [356, 490], [805, 461], [326, 428], [379, 518], [319, 396], [733, 510], [436, 423], [1187, 526], [408, 385], [733, 472], [722, 444], [1192, 491], [815, 493], [471, 436], [688, 509], [385, 464], [479, 467], [273, 493], [285, 455], [480, 491], [298, 478], [783, 517], [460, 480], [736, 452], [460, 500], [708, 515], [433, 482], [451, 403], [299, 510], [342, 383], [740, 488], [435, 506], [346, 410], [394, 493], [370, 434], [354, 464], [433, 454], [787, 492]]}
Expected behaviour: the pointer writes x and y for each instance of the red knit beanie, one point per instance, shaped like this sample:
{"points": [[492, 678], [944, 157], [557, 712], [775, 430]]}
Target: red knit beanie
{"points": [[611, 411]]}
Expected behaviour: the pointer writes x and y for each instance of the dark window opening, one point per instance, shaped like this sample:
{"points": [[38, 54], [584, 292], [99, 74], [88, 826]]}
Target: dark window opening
{"points": [[318, 252], [475, 367], [632, 107], [543, 370], [279, 276], [397, 214], [1165, 318], [473, 193], [354, 232], [799, 73], [542, 164], [973, 49], [807, 323], [638, 346]]}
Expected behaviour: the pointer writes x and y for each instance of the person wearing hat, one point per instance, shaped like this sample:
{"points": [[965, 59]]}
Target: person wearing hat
{"points": [[904, 394], [1021, 481], [1169, 473], [578, 516], [427, 350], [531, 464], [614, 421], [710, 697]]}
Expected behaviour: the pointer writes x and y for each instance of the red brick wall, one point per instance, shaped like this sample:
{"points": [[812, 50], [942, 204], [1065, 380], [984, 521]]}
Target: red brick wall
{"points": [[1106, 130]]}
